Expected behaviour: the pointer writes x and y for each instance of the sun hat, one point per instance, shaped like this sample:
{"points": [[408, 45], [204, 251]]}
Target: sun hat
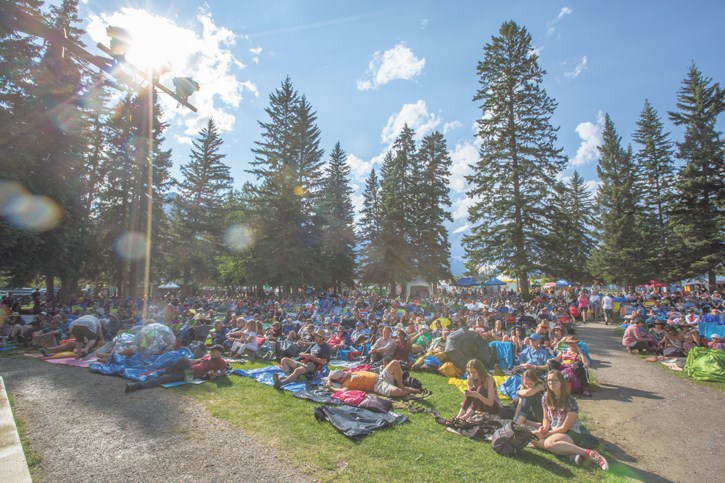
{"points": [[569, 340], [320, 333], [715, 336]]}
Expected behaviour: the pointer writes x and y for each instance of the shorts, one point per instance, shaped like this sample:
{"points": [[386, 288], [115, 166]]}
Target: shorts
{"points": [[576, 437], [385, 384], [82, 333], [311, 367]]}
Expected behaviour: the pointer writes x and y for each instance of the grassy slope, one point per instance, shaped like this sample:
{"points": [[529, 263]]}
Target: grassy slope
{"points": [[419, 450]]}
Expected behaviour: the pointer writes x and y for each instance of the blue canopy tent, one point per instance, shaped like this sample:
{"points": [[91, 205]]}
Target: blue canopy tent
{"points": [[467, 282], [494, 282], [563, 283]]}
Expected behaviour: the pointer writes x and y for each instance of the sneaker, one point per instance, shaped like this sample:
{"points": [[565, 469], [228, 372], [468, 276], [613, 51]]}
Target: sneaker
{"points": [[275, 378], [599, 460]]}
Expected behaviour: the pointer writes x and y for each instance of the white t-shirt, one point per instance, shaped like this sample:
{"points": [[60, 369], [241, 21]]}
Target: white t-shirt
{"points": [[607, 302], [594, 299], [252, 344]]}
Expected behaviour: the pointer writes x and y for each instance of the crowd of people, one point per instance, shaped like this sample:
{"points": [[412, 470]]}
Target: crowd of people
{"points": [[304, 333]]}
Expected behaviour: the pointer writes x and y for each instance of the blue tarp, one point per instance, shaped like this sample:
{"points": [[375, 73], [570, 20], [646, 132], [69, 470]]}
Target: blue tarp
{"points": [[709, 328], [563, 283], [504, 353], [467, 282], [511, 386], [494, 282], [264, 375], [138, 368]]}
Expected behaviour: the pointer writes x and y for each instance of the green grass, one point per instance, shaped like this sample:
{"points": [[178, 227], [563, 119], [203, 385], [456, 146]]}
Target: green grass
{"points": [[31, 457], [418, 450]]}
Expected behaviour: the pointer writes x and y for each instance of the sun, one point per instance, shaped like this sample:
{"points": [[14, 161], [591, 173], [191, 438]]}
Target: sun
{"points": [[155, 41]]}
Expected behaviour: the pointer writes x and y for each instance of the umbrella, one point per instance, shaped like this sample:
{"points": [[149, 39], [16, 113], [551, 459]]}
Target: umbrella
{"points": [[563, 283], [494, 281], [444, 322], [467, 282], [169, 286]]}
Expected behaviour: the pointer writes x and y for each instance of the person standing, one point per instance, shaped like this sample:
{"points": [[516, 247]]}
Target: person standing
{"points": [[608, 306]]}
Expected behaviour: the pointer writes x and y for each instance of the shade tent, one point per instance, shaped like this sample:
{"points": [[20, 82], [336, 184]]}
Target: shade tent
{"points": [[467, 282], [494, 282], [656, 284], [550, 285], [169, 286]]}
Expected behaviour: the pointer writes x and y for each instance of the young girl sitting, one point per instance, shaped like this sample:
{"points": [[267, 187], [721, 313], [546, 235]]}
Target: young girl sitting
{"points": [[560, 433], [529, 409], [481, 396]]}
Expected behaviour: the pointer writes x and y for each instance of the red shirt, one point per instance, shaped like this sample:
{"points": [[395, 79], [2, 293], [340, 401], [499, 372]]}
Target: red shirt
{"points": [[207, 364]]}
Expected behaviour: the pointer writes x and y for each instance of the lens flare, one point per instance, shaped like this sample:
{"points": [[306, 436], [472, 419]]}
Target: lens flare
{"points": [[131, 246], [29, 212], [9, 190], [238, 237]]}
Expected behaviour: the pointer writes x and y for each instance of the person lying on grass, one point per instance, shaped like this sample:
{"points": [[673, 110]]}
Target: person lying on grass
{"points": [[210, 366], [388, 383], [560, 433], [307, 363]]}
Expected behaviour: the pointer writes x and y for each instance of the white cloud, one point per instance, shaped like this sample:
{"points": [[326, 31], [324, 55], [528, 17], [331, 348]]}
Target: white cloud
{"points": [[581, 66], [397, 63], [416, 116], [359, 168], [450, 126], [460, 208], [423, 23], [256, 50], [461, 229], [462, 157], [592, 186], [591, 138], [536, 50], [551, 25], [183, 140], [206, 56]]}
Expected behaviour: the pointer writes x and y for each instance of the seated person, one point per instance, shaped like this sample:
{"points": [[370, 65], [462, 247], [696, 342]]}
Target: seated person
{"points": [[481, 395], [289, 326], [560, 433], [716, 342], [338, 340], [439, 343], [402, 347], [308, 363], [244, 341], [499, 332], [361, 334], [529, 409], [49, 335], [573, 365], [307, 337], [384, 347], [210, 366], [421, 340], [388, 383], [633, 339], [219, 334], [532, 356]]}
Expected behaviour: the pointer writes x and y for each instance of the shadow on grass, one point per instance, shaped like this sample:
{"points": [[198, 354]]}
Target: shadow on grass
{"points": [[557, 467]]}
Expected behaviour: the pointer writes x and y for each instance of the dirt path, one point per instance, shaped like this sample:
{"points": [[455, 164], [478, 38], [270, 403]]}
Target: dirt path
{"points": [[660, 425], [86, 429]]}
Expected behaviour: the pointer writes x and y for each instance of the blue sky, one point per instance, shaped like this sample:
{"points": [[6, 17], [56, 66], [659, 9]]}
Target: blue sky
{"points": [[367, 67]]}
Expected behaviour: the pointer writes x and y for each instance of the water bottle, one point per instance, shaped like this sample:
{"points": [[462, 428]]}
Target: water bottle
{"points": [[188, 376]]}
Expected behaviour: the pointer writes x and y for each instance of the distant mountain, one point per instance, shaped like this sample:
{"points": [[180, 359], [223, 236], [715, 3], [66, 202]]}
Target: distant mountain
{"points": [[169, 202]]}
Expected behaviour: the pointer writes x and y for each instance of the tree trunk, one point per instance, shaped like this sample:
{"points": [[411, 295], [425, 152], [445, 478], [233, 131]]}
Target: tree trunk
{"points": [[68, 288], [711, 281], [50, 284]]}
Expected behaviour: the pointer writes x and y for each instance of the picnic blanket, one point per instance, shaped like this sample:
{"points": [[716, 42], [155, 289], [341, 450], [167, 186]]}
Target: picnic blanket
{"points": [[462, 385], [357, 422], [139, 368], [72, 361], [264, 375]]}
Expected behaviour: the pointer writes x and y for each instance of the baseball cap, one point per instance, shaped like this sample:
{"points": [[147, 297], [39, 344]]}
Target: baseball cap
{"points": [[535, 337]]}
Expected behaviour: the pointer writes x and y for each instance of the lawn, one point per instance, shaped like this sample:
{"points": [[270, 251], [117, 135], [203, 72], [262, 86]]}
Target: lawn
{"points": [[420, 450]]}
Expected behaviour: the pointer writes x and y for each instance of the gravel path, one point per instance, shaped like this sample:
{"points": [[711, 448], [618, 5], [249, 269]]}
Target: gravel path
{"points": [[86, 429], [660, 425]]}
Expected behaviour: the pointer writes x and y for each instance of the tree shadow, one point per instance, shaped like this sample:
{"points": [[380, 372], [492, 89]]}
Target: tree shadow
{"points": [[615, 392]]}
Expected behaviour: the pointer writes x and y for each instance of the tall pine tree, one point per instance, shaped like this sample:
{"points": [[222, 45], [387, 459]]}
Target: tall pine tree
{"points": [[655, 183], [571, 235], [698, 213], [370, 229], [619, 255], [339, 233], [199, 210], [433, 247], [518, 163]]}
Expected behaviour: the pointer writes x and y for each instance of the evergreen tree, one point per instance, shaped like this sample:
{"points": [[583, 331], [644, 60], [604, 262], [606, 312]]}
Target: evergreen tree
{"points": [[235, 264], [620, 251], [370, 230], [571, 236], [518, 163], [698, 213], [655, 180], [286, 217], [339, 234], [434, 249], [398, 262], [19, 55], [199, 209]]}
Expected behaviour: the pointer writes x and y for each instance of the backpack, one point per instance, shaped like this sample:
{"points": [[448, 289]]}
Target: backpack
{"points": [[412, 382], [510, 439], [450, 370]]}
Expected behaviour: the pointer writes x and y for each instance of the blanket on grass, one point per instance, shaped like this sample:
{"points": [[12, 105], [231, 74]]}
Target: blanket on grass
{"points": [[264, 375], [357, 422], [139, 368]]}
